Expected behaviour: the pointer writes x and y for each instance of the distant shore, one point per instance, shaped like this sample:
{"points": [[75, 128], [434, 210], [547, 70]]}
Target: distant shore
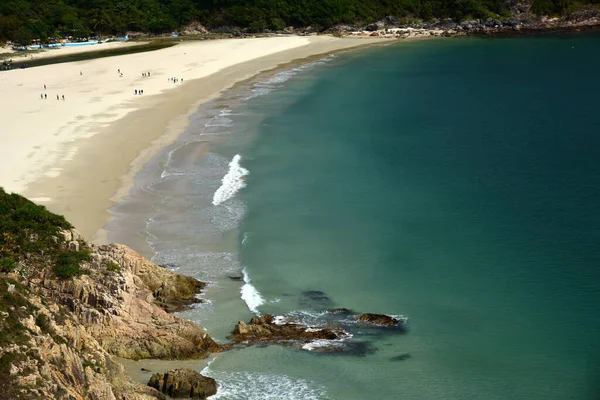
{"points": [[78, 156], [24, 56]]}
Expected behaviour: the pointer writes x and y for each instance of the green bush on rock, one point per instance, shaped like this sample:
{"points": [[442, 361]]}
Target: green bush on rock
{"points": [[113, 267], [69, 263]]}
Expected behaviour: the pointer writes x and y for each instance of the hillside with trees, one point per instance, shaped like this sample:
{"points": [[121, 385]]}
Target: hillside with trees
{"points": [[24, 20]]}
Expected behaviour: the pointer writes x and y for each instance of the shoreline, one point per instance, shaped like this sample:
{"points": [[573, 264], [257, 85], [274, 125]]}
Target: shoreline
{"points": [[75, 178], [20, 57]]}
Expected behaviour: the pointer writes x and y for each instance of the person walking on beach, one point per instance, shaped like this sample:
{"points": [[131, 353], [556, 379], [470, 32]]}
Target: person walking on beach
{"points": [[44, 87], [45, 96], [42, 96], [63, 97], [57, 98]]}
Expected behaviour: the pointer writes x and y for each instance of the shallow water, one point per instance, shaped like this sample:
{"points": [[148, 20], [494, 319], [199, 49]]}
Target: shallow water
{"points": [[454, 182]]}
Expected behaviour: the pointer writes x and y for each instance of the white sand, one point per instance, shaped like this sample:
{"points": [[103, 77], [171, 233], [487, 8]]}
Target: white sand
{"points": [[34, 131], [74, 155]]}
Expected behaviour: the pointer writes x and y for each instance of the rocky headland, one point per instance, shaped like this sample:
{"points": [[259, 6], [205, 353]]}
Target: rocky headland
{"points": [[521, 22], [67, 305]]}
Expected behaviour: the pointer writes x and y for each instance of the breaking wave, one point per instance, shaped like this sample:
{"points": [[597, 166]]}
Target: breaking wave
{"points": [[255, 386], [232, 182], [250, 294]]}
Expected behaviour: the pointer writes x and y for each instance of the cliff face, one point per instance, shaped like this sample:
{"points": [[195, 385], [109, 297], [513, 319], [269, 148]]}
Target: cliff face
{"points": [[58, 333]]}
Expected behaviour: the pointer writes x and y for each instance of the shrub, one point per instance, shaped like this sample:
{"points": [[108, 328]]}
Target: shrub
{"points": [[113, 267], [26, 227], [44, 323], [68, 264], [7, 264]]}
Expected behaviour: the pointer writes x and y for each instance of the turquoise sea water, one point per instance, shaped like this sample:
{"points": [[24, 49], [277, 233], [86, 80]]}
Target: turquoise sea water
{"points": [[456, 182]]}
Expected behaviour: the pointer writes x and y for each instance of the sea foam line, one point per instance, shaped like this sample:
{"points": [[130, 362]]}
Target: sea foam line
{"points": [[232, 182], [250, 294]]}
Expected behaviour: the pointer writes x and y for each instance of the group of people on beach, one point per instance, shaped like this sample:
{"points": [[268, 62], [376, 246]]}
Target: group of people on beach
{"points": [[44, 96]]}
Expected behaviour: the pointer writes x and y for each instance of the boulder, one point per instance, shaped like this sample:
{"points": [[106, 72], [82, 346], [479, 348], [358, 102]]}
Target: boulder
{"points": [[379, 319], [184, 384], [264, 329]]}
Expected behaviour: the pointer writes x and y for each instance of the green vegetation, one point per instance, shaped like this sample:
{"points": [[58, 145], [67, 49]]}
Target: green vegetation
{"points": [[25, 228], [113, 267], [68, 264], [29, 230], [7, 264], [13, 307], [25, 20]]}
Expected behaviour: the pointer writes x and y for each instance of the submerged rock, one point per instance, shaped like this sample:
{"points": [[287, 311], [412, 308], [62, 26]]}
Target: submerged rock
{"points": [[401, 357], [184, 384], [236, 277], [315, 299], [339, 311]]}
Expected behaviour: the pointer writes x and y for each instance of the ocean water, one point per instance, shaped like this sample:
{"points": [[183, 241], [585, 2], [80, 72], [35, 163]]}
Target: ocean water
{"points": [[454, 182]]}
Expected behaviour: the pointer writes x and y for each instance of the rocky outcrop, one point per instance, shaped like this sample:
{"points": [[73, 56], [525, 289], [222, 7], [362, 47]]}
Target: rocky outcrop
{"points": [[124, 307], [521, 21], [46, 354], [67, 305], [265, 329], [58, 333], [379, 319], [184, 384]]}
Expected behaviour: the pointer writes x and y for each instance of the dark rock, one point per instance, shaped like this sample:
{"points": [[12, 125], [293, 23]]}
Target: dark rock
{"points": [[145, 370], [236, 277], [371, 27], [339, 311], [379, 319], [263, 329], [401, 357], [184, 384]]}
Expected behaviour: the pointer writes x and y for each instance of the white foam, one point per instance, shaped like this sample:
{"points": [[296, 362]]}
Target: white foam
{"points": [[309, 329], [319, 343], [250, 294], [232, 182], [402, 318], [257, 386]]}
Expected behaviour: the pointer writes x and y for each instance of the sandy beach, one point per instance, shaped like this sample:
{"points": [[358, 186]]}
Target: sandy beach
{"points": [[78, 156]]}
